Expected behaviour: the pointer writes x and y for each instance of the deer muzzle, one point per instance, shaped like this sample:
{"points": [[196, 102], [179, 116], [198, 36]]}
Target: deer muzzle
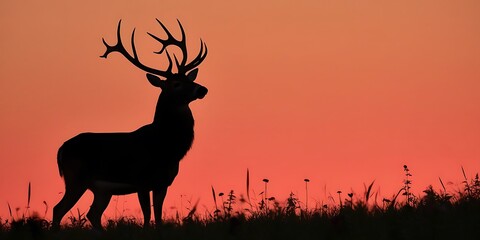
{"points": [[200, 92]]}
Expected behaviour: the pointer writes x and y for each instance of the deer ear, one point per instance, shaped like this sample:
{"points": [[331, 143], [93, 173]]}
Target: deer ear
{"points": [[192, 75], [155, 81]]}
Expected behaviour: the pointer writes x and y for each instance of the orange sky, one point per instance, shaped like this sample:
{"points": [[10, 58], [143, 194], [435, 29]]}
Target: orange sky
{"points": [[340, 92]]}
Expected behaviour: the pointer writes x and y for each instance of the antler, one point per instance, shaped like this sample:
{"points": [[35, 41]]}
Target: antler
{"points": [[182, 67]]}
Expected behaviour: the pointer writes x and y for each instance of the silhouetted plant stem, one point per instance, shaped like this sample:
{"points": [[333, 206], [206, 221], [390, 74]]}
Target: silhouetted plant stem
{"points": [[248, 186], [29, 197], [340, 198], [215, 214], [306, 193], [265, 198], [407, 183]]}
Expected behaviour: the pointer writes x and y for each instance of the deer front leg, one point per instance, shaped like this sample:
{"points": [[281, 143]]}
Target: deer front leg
{"points": [[158, 197], [144, 199]]}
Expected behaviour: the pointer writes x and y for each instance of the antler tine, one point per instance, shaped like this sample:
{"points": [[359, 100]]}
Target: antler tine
{"points": [[133, 59], [198, 59], [182, 65], [116, 47], [171, 40], [135, 56], [169, 34], [169, 69], [184, 44], [176, 61], [164, 46]]}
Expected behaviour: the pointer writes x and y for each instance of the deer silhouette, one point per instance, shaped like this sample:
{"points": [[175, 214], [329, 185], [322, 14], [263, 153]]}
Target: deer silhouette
{"points": [[146, 159]]}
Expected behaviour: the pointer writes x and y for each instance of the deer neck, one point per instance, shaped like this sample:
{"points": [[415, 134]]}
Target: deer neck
{"points": [[173, 114]]}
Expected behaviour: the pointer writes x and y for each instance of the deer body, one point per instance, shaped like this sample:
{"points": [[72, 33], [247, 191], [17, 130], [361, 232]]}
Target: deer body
{"points": [[134, 159], [141, 161]]}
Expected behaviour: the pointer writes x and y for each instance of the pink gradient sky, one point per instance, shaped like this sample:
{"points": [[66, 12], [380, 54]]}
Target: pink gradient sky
{"points": [[340, 92]]}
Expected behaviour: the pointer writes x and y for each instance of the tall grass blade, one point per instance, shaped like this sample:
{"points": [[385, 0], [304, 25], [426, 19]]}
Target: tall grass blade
{"points": [[467, 186], [394, 200], [46, 209], [443, 186], [248, 185], [368, 191], [464, 175], [214, 198], [10, 210], [192, 212], [29, 194], [79, 214]]}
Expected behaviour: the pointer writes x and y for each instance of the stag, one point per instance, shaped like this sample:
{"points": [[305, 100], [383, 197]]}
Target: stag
{"points": [[146, 159]]}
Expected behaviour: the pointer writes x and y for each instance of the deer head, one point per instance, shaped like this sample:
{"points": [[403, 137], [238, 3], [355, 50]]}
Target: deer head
{"points": [[177, 88]]}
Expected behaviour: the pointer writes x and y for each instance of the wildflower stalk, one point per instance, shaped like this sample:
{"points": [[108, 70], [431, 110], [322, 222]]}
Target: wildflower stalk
{"points": [[306, 193], [265, 198], [340, 198], [406, 188]]}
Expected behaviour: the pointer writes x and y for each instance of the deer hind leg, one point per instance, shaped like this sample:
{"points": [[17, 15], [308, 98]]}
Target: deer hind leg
{"points": [[100, 203], [158, 197], [72, 195], [144, 199]]}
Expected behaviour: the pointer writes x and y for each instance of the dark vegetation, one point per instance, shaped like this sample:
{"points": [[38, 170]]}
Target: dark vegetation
{"points": [[436, 214]]}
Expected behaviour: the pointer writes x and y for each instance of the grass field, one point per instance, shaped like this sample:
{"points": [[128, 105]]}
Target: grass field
{"points": [[433, 215]]}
